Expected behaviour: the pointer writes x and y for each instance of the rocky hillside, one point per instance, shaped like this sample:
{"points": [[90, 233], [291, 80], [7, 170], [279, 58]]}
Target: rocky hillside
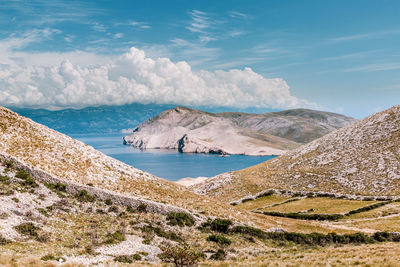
{"points": [[362, 158], [64, 202], [298, 125], [51, 157], [189, 130]]}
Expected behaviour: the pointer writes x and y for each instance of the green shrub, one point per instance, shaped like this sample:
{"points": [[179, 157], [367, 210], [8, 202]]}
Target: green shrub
{"points": [[58, 188], [305, 216], [51, 257], [265, 194], [22, 174], [16, 200], [43, 211], [247, 200], [247, 230], [219, 239], [4, 241], [220, 255], [113, 209], [128, 258], [367, 208], [114, 238], [28, 181], [141, 208], [386, 237], [220, 225], [180, 219], [4, 178], [84, 196], [9, 164], [108, 202], [181, 255], [161, 233], [28, 229]]}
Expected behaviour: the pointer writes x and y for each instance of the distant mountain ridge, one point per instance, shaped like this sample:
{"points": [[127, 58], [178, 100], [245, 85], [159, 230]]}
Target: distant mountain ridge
{"points": [[362, 158], [273, 133]]}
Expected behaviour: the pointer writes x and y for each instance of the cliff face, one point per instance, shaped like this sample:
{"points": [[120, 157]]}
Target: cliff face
{"points": [[361, 158], [189, 130]]}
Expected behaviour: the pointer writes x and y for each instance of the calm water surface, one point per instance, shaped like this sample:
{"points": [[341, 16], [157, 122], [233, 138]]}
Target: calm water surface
{"points": [[169, 164]]}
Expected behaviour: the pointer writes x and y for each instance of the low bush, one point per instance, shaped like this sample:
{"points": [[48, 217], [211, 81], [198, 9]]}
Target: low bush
{"points": [[28, 229], [317, 238], [115, 238], [141, 208], [58, 188], [219, 239], [220, 255], [180, 219], [367, 208], [305, 216], [4, 178], [219, 225], [181, 255], [108, 202], [4, 241], [113, 209], [51, 257], [161, 233], [22, 174], [9, 164], [28, 181], [247, 200], [265, 194], [83, 196], [128, 258]]}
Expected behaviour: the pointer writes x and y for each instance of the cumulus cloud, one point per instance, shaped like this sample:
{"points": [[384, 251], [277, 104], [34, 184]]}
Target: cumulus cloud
{"points": [[64, 81]]}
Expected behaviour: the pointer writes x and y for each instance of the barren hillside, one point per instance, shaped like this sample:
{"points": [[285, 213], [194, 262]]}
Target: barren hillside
{"points": [[362, 158]]}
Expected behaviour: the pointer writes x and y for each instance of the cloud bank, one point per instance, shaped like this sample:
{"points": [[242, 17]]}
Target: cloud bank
{"points": [[132, 77]]}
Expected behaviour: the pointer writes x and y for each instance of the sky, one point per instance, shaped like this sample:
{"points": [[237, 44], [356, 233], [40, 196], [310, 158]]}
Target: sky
{"points": [[341, 56]]}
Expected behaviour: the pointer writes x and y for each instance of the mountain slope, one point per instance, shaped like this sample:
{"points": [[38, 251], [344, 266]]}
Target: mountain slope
{"points": [[50, 155], [191, 130], [298, 125], [361, 158]]}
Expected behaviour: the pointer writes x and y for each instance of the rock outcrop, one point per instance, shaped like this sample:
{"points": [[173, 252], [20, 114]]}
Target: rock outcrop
{"points": [[195, 131]]}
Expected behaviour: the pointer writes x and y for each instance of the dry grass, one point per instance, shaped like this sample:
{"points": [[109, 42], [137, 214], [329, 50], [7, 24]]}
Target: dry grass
{"points": [[362, 255], [390, 223], [320, 205], [389, 209], [263, 202]]}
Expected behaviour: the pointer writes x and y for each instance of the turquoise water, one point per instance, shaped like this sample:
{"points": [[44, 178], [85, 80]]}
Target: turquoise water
{"points": [[169, 164]]}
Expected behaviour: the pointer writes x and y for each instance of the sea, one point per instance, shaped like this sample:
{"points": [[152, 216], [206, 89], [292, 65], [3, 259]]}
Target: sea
{"points": [[168, 164]]}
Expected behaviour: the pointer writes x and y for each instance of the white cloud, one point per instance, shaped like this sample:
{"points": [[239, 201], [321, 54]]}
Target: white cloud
{"points": [[376, 67], [135, 24], [61, 80], [236, 14], [118, 35]]}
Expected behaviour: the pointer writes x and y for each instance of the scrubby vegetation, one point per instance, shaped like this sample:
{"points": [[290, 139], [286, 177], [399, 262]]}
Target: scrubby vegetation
{"points": [[128, 258], [180, 255], [218, 225], [180, 219], [305, 216], [114, 238], [219, 239], [84, 196]]}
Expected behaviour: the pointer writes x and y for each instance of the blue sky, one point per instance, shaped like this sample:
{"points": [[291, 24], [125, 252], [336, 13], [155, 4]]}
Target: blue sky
{"points": [[341, 56]]}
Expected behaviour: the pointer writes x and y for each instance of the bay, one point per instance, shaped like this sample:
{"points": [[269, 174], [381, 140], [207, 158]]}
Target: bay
{"points": [[168, 164]]}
